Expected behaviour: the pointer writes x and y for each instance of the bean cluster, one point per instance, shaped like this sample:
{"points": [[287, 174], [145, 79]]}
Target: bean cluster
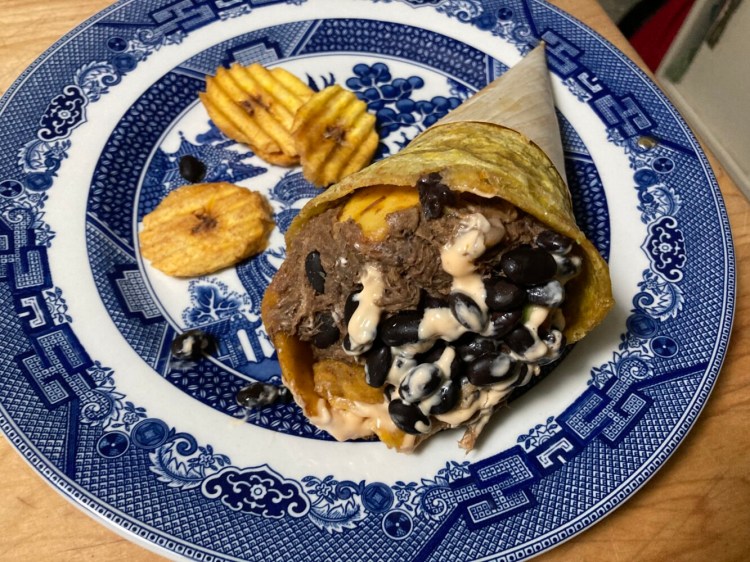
{"points": [[497, 346], [423, 357]]}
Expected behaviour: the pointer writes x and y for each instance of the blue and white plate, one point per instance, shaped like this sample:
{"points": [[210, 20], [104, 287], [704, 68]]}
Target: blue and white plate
{"points": [[92, 134]]}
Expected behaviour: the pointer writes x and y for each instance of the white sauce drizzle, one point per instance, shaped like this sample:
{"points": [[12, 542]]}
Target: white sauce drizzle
{"points": [[409, 350], [446, 360], [486, 400], [457, 257], [360, 420], [422, 427], [536, 315], [444, 364], [475, 234], [440, 323], [363, 325], [473, 286], [575, 260], [418, 377]]}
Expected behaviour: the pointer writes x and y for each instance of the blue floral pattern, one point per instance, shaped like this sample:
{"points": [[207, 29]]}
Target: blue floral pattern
{"points": [[63, 114], [257, 490], [539, 434], [212, 301], [180, 463], [57, 306], [666, 248], [336, 506], [392, 102], [629, 364]]}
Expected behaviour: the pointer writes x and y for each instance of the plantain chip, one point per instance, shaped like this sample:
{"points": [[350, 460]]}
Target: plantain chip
{"points": [[334, 135], [204, 227], [256, 106]]}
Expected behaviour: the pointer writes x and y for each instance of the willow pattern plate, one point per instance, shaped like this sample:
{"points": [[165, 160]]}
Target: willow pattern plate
{"points": [[93, 132]]}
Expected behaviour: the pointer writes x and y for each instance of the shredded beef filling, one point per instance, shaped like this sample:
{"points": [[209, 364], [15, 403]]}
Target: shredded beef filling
{"points": [[409, 259]]}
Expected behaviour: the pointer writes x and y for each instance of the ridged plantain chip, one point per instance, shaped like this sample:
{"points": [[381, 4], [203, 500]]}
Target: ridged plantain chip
{"points": [[256, 106], [201, 228], [334, 135]]}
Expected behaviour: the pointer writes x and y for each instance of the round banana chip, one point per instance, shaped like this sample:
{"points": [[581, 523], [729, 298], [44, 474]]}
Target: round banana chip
{"points": [[334, 135], [202, 228], [256, 106]]}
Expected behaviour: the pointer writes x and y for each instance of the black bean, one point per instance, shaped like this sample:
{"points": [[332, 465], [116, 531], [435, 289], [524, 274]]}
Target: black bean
{"points": [[520, 339], [258, 394], [389, 390], [449, 394], [503, 322], [503, 295], [524, 377], [192, 169], [407, 417], [432, 354], [471, 347], [554, 242], [192, 345], [377, 365], [420, 382], [568, 267], [401, 328], [428, 301], [326, 331], [434, 196], [490, 369], [316, 275], [550, 294], [467, 312], [555, 342], [528, 266], [350, 307], [553, 336]]}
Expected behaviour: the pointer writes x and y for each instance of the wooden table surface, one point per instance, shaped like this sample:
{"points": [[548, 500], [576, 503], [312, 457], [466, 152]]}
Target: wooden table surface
{"points": [[695, 508]]}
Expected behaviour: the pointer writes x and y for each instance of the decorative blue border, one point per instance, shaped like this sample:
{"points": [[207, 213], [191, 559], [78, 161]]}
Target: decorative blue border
{"points": [[623, 399]]}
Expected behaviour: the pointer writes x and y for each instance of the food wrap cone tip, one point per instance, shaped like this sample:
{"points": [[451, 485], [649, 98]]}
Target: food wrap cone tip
{"points": [[522, 100]]}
